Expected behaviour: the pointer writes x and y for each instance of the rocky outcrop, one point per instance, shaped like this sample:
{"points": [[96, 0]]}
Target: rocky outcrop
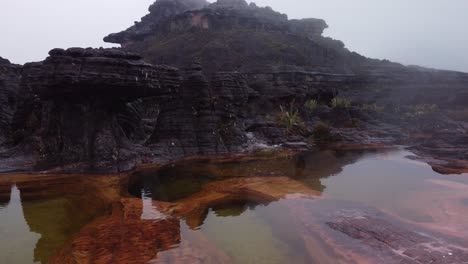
{"points": [[10, 75], [85, 119], [187, 123], [233, 35], [311, 27], [159, 11]]}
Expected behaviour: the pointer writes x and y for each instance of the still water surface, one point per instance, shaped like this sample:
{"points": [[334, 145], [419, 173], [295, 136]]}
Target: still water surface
{"points": [[38, 217]]}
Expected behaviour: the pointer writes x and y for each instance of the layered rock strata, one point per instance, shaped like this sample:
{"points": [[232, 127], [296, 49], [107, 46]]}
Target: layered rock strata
{"points": [[10, 75], [83, 116]]}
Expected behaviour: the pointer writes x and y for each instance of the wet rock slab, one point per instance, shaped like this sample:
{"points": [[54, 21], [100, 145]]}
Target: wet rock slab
{"points": [[353, 233], [395, 243]]}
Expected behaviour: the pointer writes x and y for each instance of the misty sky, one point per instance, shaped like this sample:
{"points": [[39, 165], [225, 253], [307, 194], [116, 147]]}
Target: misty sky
{"points": [[432, 33]]}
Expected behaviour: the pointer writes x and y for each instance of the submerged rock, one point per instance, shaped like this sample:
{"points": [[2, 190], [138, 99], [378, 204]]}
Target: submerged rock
{"points": [[397, 244]]}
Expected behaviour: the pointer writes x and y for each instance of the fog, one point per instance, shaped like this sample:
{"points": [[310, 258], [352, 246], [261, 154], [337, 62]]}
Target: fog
{"points": [[432, 33]]}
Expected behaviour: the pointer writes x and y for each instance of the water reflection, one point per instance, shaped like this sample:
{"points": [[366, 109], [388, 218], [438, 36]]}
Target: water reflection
{"points": [[47, 210], [181, 180], [15, 233], [262, 209]]}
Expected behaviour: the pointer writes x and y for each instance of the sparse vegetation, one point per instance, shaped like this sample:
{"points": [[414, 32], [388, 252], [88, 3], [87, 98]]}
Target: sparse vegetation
{"points": [[311, 104], [340, 102], [372, 107], [288, 118], [422, 110]]}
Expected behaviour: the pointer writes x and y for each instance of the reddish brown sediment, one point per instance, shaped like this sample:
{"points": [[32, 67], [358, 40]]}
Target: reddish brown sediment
{"points": [[121, 238], [57, 205], [124, 236], [357, 146], [370, 236], [108, 187], [452, 167]]}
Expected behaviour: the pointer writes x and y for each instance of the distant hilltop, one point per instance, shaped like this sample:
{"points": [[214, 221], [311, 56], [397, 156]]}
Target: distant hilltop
{"points": [[233, 35]]}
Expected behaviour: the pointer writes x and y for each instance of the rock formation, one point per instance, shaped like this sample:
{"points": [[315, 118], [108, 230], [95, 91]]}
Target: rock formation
{"points": [[232, 35], [244, 81], [159, 11], [84, 118], [10, 75]]}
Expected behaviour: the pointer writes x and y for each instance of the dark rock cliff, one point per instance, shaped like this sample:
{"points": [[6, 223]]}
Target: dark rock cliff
{"points": [[10, 75], [80, 116]]}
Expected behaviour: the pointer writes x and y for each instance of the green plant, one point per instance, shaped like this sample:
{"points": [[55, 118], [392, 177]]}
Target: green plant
{"points": [[421, 110], [311, 104], [340, 102], [288, 119], [372, 107], [291, 120]]}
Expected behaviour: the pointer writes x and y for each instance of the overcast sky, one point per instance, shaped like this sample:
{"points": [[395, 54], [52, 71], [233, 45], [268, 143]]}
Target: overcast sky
{"points": [[432, 33]]}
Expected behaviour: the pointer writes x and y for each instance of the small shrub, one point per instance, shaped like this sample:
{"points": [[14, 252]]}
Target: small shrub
{"points": [[288, 119], [422, 110], [339, 102], [372, 107], [311, 104], [322, 132]]}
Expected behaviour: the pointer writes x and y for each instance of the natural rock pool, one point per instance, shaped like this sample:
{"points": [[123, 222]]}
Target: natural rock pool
{"points": [[314, 207]]}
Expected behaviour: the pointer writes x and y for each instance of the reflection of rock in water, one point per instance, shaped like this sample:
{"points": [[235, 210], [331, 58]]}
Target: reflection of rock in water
{"points": [[19, 246], [149, 212], [180, 180], [122, 237], [5, 193], [249, 191], [165, 186], [236, 208], [57, 206]]}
